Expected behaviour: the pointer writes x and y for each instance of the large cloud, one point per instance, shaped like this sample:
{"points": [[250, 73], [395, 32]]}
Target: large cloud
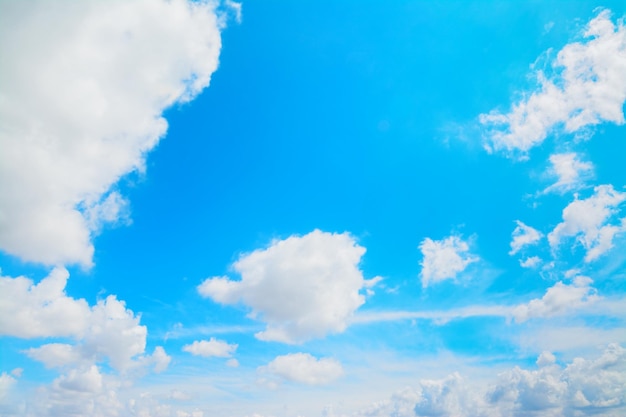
{"points": [[589, 88], [82, 92], [303, 287], [584, 387]]}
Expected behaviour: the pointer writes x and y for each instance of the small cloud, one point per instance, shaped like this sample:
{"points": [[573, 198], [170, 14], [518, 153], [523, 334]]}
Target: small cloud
{"points": [[558, 300], [444, 259], [179, 395], [570, 172], [546, 358], [211, 348], [531, 262], [304, 368], [523, 235]]}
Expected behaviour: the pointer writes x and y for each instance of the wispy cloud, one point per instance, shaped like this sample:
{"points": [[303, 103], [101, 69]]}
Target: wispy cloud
{"points": [[589, 88]]}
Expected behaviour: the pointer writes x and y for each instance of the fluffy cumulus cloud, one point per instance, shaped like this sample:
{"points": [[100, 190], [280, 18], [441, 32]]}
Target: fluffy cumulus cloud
{"points": [[30, 310], [444, 259], [592, 221], [304, 368], [558, 299], [450, 396], [316, 278], [588, 88], [569, 170], [523, 235], [209, 348], [584, 387], [105, 331], [83, 88]]}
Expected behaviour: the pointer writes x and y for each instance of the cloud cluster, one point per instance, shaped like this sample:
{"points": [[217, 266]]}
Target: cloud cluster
{"points": [[558, 300], [444, 259], [589, 221], [589, 88], [83, 88], [304, 368], [303, 287], [42, 310], [584, 387], [107, 330]]}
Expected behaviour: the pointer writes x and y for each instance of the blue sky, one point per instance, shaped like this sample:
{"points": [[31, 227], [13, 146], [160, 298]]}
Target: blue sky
{"points": [[312, 208]]}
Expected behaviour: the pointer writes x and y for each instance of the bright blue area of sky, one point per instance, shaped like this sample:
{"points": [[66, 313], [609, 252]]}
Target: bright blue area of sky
{"points": [[360, 119], [357, 117]]}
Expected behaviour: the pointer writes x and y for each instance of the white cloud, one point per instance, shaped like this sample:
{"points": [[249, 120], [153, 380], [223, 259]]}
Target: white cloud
{"points": [[6, 383], [112, 332], [450, 396], [304, 368], [589, 88], [569, 170], [558, 299], [159, 359], [523, 235], [213, 347], [302, 287], [42, 310], [588, 220], [55, 355], [79, 392], [104, 331], [531, 262], [83, 88], [584, 387], [444, 259]]}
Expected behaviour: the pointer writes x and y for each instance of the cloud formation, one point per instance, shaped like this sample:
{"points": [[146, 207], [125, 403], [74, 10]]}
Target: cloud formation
{"points": [[82, 93], [588, 88], [303, 287], [584, 387], [444, 259], [42, 310], [104, 331], [523, 235], [304, 368], [592, 222], [209, 348], [558, 299], [569, 170]]}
